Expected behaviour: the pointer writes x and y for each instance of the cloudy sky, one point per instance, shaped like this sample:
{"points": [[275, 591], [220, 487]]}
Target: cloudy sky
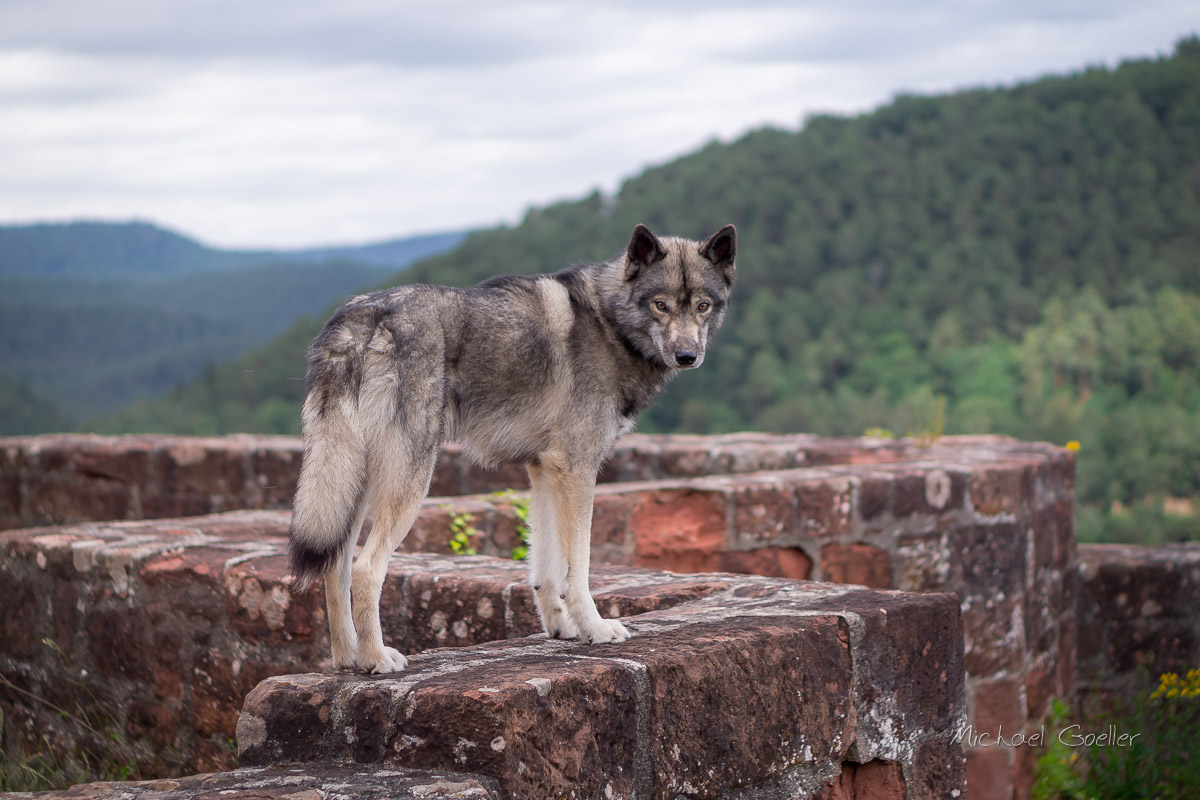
{"points": [[302, 122]]}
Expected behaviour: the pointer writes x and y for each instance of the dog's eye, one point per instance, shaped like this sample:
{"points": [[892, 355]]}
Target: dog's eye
{"points": [[660, 305], [702, 307]]}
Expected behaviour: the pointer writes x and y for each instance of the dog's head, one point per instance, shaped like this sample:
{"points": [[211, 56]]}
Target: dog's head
{"points": [[680, 290]]}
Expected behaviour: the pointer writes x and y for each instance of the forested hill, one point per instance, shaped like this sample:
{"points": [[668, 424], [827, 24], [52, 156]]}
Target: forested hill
{"points": [[142, 250], [1022, 260], [94, 316]]}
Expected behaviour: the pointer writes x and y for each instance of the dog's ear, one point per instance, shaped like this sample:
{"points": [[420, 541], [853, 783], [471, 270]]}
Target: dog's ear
{"points": [[644, 250], [721, 250]]}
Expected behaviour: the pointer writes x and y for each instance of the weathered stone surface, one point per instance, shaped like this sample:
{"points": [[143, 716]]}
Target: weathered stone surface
{"points": [[990, 772], [987, 518], [875, 780], [312, 782], [731, 688], [856, 563], [1137, 610], [679, 528]]}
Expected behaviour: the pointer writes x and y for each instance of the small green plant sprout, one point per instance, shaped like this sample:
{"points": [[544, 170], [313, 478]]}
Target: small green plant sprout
{"points": [[520, 507], [879, 433], [462, 534]]}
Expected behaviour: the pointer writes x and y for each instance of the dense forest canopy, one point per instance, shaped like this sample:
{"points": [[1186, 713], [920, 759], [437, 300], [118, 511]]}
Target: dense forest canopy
{"points": [[1022, 260]]}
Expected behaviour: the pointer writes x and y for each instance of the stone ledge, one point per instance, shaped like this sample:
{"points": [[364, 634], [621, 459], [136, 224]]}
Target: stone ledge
{"points": [[761, 681], [68, 478], [313, 782]]}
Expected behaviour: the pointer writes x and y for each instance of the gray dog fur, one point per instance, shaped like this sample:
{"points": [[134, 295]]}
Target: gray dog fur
{"points": [[543, 370]]}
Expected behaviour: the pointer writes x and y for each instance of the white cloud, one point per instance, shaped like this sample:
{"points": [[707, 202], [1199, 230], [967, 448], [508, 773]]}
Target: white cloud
{"points": [[306, 123]]}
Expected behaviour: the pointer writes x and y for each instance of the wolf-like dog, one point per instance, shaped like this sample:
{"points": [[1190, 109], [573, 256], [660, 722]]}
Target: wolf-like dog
{"points": [[543, 370]]}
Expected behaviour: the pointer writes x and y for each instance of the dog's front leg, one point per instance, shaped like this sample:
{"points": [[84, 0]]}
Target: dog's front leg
{"points": [[547, 558], [571, 491]]}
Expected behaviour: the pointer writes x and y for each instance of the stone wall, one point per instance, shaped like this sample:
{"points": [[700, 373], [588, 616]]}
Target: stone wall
{"points": [[987, 518], [1139, 617], [798, 689]]}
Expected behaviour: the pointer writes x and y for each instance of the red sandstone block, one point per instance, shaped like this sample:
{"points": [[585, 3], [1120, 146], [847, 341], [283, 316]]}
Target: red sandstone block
{"points": [[262, 608], [453, 610], [736, 458], [21, 621], [10, 500], [203, 468], [276, 472], [874, 496], [119, 640], [507, 476], [1040, 686], [612, 540], [938, 769], [755, 683], [678, 526], [120, 461], [922, 562], [989, 773], [1068, 635], [989, 559], [1025, 770], [1064, 551], [683, 459], [990, 635], [1167, 645], [999, 703], [763, 510], [769, 562], [66, 498], [543, 726], [875, 780], [654, 595], [1000, 489], [927, 492], [824, 508], [856, 563]]}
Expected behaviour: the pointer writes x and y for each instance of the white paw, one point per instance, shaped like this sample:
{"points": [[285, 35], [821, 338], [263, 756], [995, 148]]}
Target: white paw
{"points": [[603, 631], [344, 659], [389, 659], [555, 621], [562, 627]]}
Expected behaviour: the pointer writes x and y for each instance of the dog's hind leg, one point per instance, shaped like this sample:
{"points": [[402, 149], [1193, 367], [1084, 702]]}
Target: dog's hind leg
{"points": [[337, 598], [400, 470], [571, 488], [547, 559], [392, 523]]}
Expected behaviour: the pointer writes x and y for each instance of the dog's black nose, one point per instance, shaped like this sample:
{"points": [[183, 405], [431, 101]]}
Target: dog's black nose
{"points": [[685, 358]]}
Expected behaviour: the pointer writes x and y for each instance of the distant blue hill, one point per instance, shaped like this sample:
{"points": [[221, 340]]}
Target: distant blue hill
{"points": [[143, 250], [94, 316]]}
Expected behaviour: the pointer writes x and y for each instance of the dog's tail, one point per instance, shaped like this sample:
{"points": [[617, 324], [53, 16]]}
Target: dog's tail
{"points": [[333, 474]]}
